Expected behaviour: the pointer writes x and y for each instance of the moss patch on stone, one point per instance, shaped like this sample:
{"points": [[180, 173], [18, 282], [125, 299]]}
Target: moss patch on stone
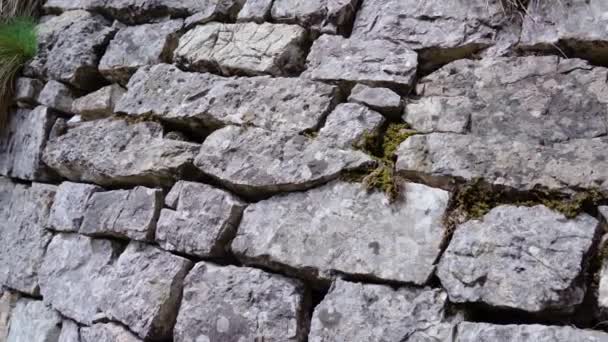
{"points": [[396, 133]]}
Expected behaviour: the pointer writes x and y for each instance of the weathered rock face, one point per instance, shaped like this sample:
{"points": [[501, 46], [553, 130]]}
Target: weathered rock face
{"points": [[69, 332], [27, 90], [136, 46], [343, 229], [289, 104], [111, 152], [8, 300], [253, 161], [375, 313], [475, 332], [33, 321], [201, 220], [241, 304], [440, 114], [349, 124], [519, 257], [326, 16], [69, 206], [57, 96], [215, 10], [247, 49], [69, 48], [373, 62], [144, 290], [22, 143], [99, 104], [257, 11], [382, 100], [107, 332]]}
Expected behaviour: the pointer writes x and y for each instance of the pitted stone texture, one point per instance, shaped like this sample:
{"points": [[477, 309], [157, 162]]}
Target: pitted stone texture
{"points": [[136, 46], [372, 62], [22, 143], [114, 152], [8, 300], [257, 11], [27, 90], [69, 48], [109, 332], [73, 275], [526, 258], [144, 289], [201, 220], [484, 332], [69, 206], [542, 98], [245, 48], [127, 214], [325, 16], [439, 158], [99, 104], [382, 100], [56, 95], [579, 27], [33, 321], [69, 332], [253, 161], [290, 104], [378, 313], [24, 212], [240, 304], [349, 124], [344, 229]]}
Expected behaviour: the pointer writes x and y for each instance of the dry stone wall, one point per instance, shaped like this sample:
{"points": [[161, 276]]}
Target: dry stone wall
{"points": [[308, 171]]}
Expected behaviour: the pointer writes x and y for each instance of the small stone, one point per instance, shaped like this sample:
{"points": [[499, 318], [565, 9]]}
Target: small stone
{"points": [[32, 321], [107, 332], [27, 90], [175, 135], [99, 104], [439, 114], [524, 258], [380, 63], [69, 332], [8, 300], [215, 10], [136, 46], [475, 332], [57, 96], [341, 228], [200, 222], [325, 16], [350, 124], [69, 206], [126, 214], [257, 11], [144, 290], [59, 128], [382, 100], [245, 49], [604, 212], [241, 304]]}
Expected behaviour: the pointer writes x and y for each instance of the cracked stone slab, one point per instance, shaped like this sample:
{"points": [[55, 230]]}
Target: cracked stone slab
{"points": [[57, 96], [349, 124], [253, 161], [107, 332], [241, 304], [24, 212], [382, 100], [73, 275], [525, 258], [22, 144], [290, 104], [373, 62], [69, 48], [126, 214], [377, 313], [99, 104], [325, 16], [69, 206], [112, 152], [200, 221], [69, 332], [257, 11], [27, 90], [441, 158], [344, 229], [33, 321], [475, 332], [243, 48], [137, 46], [144, 289], [542, 98]]}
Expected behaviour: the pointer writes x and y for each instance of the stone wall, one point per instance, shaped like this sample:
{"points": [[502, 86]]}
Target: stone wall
{"points": [[323, 170]]}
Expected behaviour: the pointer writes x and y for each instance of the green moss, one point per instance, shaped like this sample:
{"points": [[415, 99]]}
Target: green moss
{"points": [[383, 179], [396, 133], [476, 199], [571, 207]]}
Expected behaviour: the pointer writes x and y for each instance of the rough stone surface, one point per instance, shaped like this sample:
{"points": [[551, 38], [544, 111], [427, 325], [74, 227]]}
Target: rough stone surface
{"points": [[246, 48], [257, 11], [216, 10], [72, 275], [604, 212], [56, 95], [99, 104], [136, 46], [241, 304], [111, 152], [107, 332], [69, 206], [22, 143], [526, 258], [201, 220], [344, 229], [24, 213], [382, 100], [69, 48], [144, 290], [8, 300], [253, 161], [372, 62], [69, 332], [442, 114], [33, 321], [349, 124], [377, 313], [326, 16], [128, 214], [27, 90], [484, 332], [289, 104]]}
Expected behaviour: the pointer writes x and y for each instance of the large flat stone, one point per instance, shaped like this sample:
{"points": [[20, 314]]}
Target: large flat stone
{"points": [[244, 48], [326, 16], [476, 332], [349, 124], [382, 100], [254, 162], [69, 206], [290, 104], [240, 304], [344, 229], [113, 152], [33, 321], [107, 332], [525, 258]]}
